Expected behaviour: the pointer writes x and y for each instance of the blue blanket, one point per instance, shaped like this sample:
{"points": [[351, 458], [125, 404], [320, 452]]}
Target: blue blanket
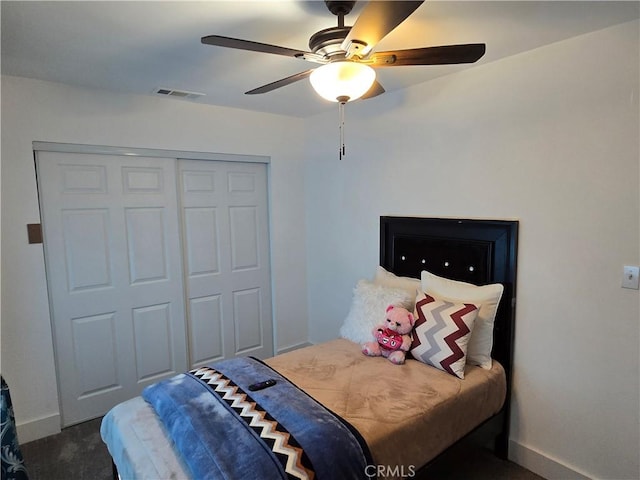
{"points": [[224, 431]]}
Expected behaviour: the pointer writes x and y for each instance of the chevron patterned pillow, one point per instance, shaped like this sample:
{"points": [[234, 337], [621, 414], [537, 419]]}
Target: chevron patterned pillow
{"points": [[442, 332], [487, 297]]}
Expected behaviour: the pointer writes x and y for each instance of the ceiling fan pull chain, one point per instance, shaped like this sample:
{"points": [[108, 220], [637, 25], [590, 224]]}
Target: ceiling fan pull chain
{"points": [[341, 148], [341, 123]]}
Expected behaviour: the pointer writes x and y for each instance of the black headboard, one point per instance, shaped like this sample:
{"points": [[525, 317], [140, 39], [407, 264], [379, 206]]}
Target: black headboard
{"points": [[473, 251]]}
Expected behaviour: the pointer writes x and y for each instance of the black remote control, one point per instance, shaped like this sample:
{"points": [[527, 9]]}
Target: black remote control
{"points": [[260, 385]]}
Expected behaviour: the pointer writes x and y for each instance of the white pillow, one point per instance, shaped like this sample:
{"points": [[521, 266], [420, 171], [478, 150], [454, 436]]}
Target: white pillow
{"points": [[368, 309], [388, 279], [488, 296]]}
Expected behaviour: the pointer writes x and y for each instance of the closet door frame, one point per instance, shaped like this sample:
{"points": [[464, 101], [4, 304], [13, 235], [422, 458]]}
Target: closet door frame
{"points": [[147, 152]]}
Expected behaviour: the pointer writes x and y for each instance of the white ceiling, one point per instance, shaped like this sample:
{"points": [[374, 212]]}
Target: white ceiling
{"points": [[136, 47]]}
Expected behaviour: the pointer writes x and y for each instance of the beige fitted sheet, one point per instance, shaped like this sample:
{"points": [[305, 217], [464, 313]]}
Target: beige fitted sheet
{"points": [[407, 413]]}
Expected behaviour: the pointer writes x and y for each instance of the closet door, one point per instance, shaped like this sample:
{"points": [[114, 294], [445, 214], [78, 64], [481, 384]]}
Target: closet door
{"points": [[226, 248], [113, 258]]}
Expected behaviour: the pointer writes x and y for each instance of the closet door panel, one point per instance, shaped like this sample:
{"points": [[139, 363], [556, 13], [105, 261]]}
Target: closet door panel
{"points": [[114, 274], [225, 232], [146, 241], [153, 342], [247, 321], [206, 329], [97, 362], [243, 224], [201, 238], [86, 247]]}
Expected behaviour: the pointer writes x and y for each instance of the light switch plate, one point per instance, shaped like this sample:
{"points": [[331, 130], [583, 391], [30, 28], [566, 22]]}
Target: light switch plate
{"points": [[631, 277]]}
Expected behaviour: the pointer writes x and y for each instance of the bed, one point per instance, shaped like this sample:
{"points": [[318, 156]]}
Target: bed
{"points": [[343, 414]]}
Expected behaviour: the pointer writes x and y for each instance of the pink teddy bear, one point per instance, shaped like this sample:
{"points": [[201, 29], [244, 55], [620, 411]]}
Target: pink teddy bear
{"points": [[393, 338]]}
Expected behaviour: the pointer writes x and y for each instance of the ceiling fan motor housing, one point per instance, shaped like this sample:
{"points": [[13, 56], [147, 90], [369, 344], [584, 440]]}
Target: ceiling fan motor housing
{"points": [[328, 42]]}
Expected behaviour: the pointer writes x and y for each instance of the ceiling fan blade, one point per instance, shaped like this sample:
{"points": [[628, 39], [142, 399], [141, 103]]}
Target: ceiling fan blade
{"points": [[375, 90], [445, 55], [377, 19], [280, 83], [229, 42]]}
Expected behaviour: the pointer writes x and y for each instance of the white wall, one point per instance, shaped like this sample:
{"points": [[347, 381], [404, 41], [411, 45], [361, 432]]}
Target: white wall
{"points": [[39, 111], [551, 138]]}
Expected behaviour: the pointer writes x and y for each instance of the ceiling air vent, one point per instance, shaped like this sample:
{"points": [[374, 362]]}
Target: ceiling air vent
{"points": [[171, 92]]}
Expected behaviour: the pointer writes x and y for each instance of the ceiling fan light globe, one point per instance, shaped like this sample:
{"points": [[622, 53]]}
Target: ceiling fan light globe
{"points": [[337, 80]]}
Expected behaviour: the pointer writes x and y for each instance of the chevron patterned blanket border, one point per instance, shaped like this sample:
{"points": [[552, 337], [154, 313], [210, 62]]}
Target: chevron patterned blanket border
{"points": [[293, 459]]}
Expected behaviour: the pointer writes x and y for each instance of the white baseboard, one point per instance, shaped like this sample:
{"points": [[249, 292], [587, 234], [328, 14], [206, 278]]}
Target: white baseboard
{"points": [[38, 428], [543, 464], [291, 348]]}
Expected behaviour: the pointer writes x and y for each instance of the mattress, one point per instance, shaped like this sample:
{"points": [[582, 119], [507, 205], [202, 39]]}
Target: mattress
{"points": [[413, 408]]}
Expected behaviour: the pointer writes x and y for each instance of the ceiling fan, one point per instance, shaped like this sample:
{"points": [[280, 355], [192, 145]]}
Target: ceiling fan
{"points": [[347, 56], [355, 44]]}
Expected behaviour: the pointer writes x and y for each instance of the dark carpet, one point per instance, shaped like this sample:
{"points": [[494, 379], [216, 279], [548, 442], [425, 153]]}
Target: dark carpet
{"points": [[77, 453]]}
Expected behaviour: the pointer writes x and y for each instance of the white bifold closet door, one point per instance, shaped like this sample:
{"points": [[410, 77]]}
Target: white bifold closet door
{"points": [[142, 283]]}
